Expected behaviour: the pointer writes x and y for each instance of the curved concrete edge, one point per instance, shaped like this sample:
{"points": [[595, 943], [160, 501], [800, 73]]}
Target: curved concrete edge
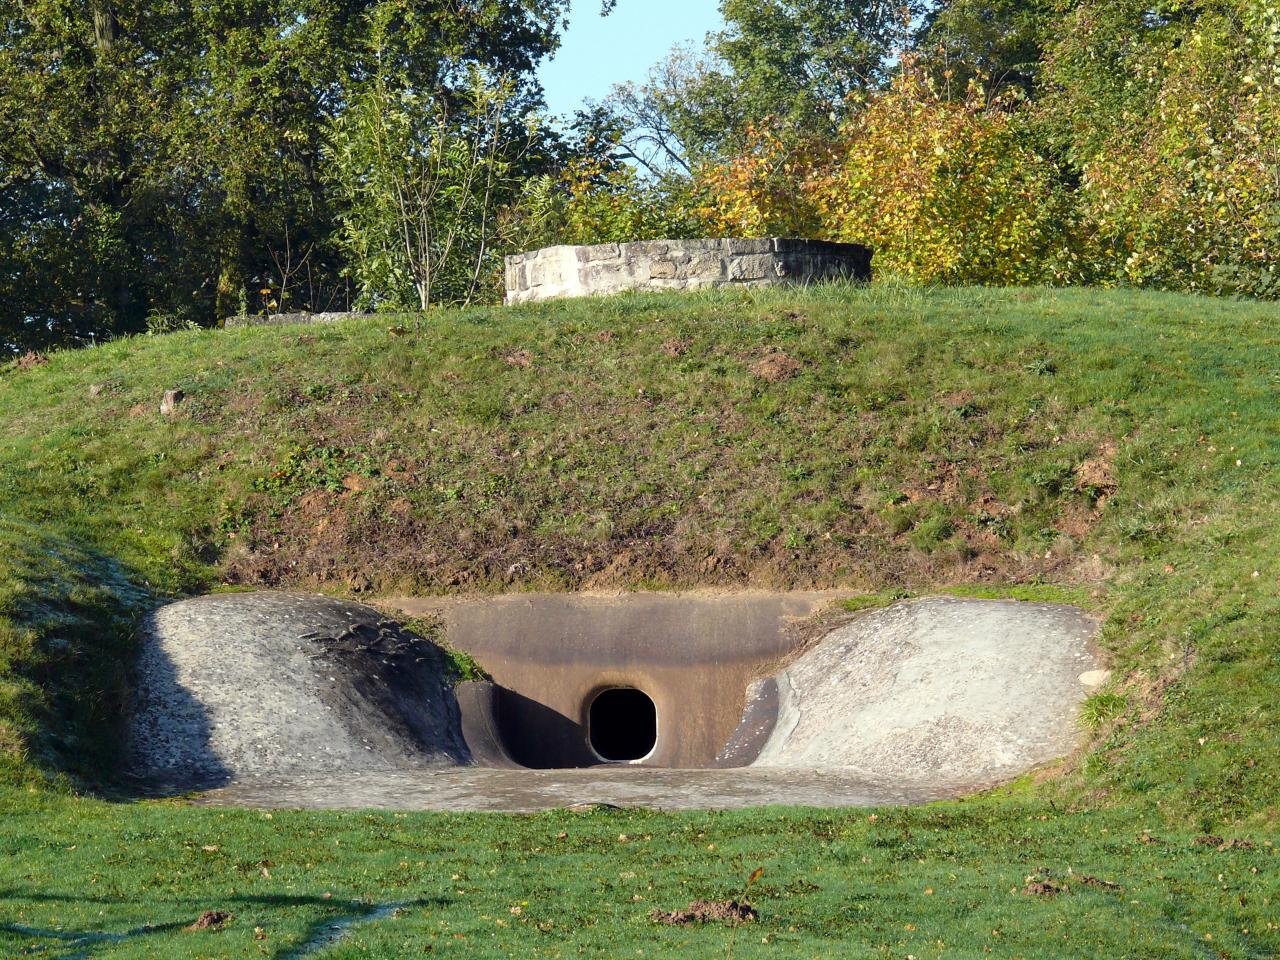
{"points": [[267, 684], [759, 721], [478, 702], [942, 689]]}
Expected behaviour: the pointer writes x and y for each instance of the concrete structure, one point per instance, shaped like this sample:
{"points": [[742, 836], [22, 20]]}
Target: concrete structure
{"points": [[566, 271], [279, 686], [671, 700]]}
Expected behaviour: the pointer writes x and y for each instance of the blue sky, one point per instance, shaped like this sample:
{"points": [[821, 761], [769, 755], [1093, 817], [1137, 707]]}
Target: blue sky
{"points": [[600, 51]]}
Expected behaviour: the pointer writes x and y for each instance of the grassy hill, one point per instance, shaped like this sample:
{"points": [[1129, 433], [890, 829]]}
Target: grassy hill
{"points": [[1113, 449]]}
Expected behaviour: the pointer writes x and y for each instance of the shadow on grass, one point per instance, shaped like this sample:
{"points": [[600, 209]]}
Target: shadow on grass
{"points": [[82, 944], [84, 606]]}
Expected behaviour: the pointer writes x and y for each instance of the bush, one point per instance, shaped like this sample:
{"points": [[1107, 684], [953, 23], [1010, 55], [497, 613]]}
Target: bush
{"points": [[1180, 174], [947, 192], [942, 191], [594, 201]]}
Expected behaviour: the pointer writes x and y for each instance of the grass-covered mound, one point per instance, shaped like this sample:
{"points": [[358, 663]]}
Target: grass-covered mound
{"points": [[1116, 449], [1113, 449]]}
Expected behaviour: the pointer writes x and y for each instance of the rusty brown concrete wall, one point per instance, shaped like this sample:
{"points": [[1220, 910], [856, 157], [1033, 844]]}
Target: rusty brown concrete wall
{"points": [[694, 655]]}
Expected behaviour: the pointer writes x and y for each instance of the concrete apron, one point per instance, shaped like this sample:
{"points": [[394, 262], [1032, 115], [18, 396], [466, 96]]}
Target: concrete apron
{"points": [[753, 698]]}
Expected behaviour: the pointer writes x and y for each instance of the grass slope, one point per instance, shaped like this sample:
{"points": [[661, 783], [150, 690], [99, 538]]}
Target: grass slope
{"points": [[1112, 448]]}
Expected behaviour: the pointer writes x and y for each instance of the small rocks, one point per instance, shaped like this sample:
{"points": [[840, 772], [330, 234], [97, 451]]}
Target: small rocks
{"points": [[170, 402]]}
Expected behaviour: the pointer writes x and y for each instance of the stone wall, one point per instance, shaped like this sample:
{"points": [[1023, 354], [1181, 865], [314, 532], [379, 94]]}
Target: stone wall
{"points": [[566, 271]]}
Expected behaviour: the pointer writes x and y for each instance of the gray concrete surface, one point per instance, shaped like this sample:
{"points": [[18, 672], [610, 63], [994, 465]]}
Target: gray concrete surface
{"points": [[694, 653], [240, 685], [526, 791], [968, 692], [273, 699]]}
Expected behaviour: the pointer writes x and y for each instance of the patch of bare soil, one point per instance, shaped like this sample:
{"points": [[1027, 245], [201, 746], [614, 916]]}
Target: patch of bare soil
{"points": [[1042, 888], [1077, 521], [519, 358], [776, 366], [707, 911], [30, 360], [211, 920], [1209, 840], [1097, 475], [675, 347]]}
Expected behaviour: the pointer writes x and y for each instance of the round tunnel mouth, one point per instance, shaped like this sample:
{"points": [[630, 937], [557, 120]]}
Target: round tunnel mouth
{"points": [[622, 725]]}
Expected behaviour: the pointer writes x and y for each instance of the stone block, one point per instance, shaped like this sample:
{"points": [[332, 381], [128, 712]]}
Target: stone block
{"points": [[705, 266], [662, 270], [737, 247], [567, 271], [751, 267], [600, 251]]}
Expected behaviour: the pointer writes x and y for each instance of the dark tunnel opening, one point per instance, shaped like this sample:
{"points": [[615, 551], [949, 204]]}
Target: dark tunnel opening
{"points": [[623, 725]]}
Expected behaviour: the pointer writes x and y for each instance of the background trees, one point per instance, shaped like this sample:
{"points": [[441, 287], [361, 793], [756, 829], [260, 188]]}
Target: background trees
{"points": [[163, 162]]}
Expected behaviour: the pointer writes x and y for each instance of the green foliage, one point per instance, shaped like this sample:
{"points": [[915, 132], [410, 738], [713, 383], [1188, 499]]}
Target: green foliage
{"points": [[160, 159], [594, 203], [995, 44], [421, 182], [1172, 118], [946, 192], [1101, 708], [802, 60]]}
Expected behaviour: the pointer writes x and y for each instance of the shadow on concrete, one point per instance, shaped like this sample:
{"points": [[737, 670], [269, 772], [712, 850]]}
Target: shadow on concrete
{"points": [[170, 751]]}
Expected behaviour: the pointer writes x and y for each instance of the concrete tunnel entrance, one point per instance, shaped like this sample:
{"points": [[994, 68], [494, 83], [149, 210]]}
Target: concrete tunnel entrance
{"points": [[294, 699], [646, 680], [622, 725]]}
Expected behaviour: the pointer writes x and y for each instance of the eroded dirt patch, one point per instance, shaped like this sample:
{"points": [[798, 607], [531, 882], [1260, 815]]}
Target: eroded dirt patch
{"points": [[707, 911]]}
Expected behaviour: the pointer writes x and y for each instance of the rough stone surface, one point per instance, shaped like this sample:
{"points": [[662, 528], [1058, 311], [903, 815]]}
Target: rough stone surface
{"points": [[269, 684], [170, 402], [940, 689], [566, 271]]}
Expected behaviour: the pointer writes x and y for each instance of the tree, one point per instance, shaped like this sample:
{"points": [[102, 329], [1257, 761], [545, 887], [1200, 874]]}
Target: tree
{"points": [[996, 43], [796, 67], [1169, 116], [686, 112], [804, 60], [422, 182], [177, 147], [93, 108]]}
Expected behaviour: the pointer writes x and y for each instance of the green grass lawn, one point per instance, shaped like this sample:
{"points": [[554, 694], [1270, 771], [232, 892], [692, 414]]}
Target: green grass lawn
{"points": [[1114, 449], [944, 881]]}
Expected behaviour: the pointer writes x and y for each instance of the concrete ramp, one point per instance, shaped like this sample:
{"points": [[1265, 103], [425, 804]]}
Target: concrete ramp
{"points": [[240, 686], [942, 689]]}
